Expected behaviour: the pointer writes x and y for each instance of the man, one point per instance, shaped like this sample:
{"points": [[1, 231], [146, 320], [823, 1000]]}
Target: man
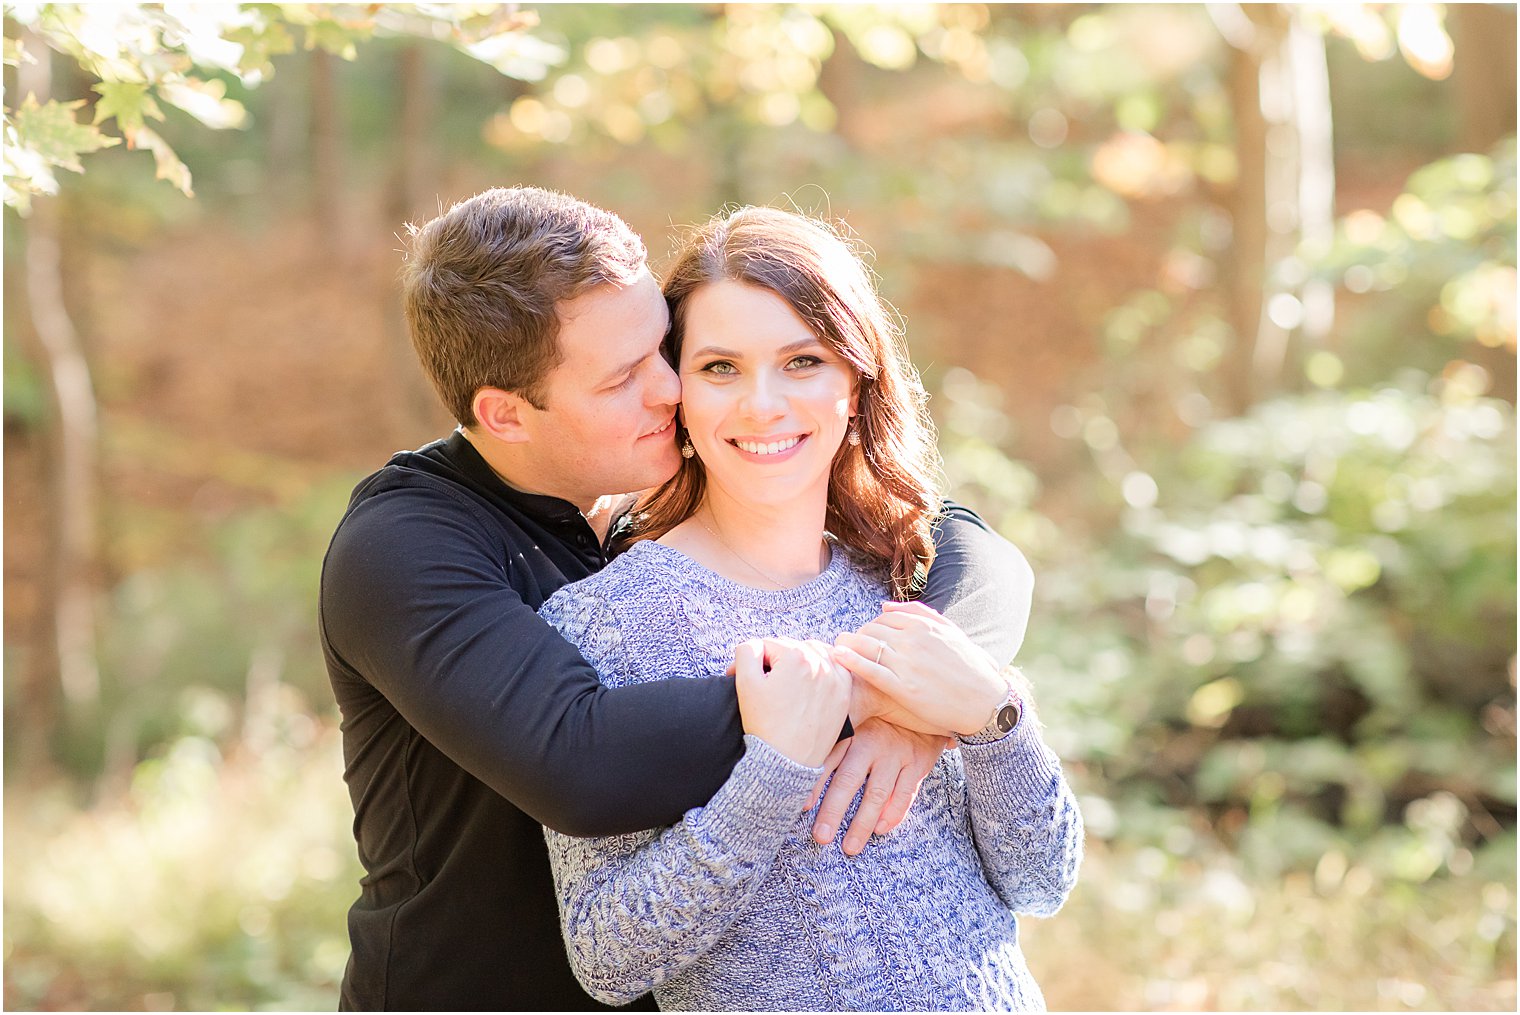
{"points": [[467, 721]]}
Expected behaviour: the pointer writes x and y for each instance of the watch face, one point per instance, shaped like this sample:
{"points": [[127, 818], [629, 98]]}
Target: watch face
{"points": [[1007, 717]]}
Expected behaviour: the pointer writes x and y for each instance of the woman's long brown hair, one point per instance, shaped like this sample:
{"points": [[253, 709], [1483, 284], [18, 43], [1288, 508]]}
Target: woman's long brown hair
{"points": [[882, 501]]}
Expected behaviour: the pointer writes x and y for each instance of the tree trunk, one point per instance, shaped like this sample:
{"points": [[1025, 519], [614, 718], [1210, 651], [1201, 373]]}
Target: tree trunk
{"points": [[287, 130], [327, 189], [69, 593], [1282, 205], [413, 184], [1483, 72], [412, 197], [1245, 264], [1310, 81]]}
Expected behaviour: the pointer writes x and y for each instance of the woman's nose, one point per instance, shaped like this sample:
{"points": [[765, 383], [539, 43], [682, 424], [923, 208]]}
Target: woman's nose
{"points": [[763, 397]]}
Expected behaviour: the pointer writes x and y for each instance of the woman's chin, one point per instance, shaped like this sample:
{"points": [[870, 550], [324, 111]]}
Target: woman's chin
{"points": [[753, 488]]}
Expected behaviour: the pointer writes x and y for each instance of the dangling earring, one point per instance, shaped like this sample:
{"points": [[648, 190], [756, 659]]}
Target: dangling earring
{"points": [[687, 451], [852, 435]]}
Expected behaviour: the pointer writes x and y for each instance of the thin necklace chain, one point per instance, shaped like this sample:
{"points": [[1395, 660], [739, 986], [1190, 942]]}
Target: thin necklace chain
{"points": [[736, 555]]}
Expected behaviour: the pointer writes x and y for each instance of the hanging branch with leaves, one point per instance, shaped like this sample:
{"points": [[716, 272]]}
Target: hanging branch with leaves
{"points": [[142, 58]]}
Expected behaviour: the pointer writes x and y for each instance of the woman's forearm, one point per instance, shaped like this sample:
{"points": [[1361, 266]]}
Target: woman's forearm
{"points": [[1027, 825], [636, 913]]}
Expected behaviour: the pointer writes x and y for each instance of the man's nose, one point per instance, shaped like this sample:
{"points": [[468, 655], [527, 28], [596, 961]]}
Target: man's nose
{"points": [[665, 387]]}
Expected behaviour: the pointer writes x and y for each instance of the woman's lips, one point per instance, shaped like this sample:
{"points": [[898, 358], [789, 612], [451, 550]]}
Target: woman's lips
{"points": [[775, 450]]}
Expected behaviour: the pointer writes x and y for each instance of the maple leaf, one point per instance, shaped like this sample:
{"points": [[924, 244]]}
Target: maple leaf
{"points": [[168, 166], [52, 132], [128, 102]]}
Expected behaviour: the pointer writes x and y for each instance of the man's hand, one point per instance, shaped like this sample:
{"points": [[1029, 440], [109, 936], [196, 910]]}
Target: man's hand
{"points": [[926, 674], [799, 706], [892, 762]]}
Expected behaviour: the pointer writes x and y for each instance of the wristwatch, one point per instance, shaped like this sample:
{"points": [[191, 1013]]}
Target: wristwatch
{"points": [[1004, 718]]}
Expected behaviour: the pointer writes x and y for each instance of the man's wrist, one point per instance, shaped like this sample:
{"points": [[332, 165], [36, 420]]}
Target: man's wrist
{"points": [[865, 702]]}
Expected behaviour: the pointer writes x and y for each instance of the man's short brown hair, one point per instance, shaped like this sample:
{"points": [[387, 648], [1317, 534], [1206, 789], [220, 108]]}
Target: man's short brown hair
{"points": [[481, 282]]}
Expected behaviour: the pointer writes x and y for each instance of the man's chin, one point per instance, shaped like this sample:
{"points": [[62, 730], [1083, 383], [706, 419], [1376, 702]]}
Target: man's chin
{"points": [[664, 475], [659, 471]]}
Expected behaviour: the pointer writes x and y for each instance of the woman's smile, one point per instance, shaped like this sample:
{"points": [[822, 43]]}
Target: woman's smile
{"points": [[773, 450]]}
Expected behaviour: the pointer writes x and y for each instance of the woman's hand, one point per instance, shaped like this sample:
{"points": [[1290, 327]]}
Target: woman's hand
{"points": [[892, 763], [921, 671], [799, 706]]}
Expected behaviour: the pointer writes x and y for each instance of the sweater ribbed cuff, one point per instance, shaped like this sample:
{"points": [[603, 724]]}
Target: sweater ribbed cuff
{"points": [[1019, 764], [759, 804]]}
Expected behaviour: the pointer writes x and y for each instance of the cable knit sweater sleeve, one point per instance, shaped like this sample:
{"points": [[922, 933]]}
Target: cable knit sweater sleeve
{"points": [[1024, 818], [637, 909]]}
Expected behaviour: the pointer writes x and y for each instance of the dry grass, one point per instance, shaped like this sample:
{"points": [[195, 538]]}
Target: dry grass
{"points": [[1144, 931], [221, 882]]}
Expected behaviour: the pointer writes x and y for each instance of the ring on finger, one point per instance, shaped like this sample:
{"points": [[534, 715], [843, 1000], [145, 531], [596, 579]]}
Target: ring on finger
{"points": [[881, 647]]}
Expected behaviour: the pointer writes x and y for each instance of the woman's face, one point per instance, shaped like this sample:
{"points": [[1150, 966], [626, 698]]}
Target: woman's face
{"points": [[766, 402]]}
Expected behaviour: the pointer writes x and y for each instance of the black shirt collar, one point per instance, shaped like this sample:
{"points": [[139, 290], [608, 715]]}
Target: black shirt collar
{"points": [[467, 460]]}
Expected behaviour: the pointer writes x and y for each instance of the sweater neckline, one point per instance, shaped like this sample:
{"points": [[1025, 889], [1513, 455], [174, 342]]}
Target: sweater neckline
{"points": [[809, 592]]}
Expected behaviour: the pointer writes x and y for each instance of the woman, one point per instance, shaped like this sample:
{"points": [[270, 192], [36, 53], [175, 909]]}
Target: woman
{"points": [[803, 502]]}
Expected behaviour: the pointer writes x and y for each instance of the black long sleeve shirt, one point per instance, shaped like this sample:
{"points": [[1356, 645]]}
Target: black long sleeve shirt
{"points": [[468, 722]]}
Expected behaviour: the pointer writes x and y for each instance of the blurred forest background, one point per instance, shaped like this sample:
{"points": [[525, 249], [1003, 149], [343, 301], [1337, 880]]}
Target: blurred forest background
{"points": [[1218, 308]]}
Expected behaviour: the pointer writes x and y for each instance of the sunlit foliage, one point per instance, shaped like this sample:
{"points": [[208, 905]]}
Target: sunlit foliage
{"points": [[184, 55], [1274, 636]]}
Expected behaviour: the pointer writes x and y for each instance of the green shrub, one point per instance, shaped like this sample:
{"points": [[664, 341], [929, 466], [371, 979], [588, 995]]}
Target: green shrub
{"points": [[1302, 622], [190, 633], [215, 881]]}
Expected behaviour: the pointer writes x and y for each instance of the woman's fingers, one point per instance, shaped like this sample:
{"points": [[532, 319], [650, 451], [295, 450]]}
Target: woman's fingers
{"points": [[749, 659], [895, 622], [927, 667], [858, 653], [798, 705], [892, 606]]}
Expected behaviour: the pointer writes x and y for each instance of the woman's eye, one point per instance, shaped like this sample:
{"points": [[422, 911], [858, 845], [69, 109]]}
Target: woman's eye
{"points": [[803, 362], [720, 367]]}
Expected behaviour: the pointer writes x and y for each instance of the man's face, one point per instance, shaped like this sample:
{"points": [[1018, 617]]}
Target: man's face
{"points": [[608, 407]]}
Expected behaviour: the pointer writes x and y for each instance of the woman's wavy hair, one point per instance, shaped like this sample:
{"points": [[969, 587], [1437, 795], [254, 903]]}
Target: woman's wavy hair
{"points": [[882, 493]]}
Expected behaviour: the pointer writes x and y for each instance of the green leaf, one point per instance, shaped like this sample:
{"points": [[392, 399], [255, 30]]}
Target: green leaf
{"points": [[261, 43], [51, 131], [169, 167], [334, 38], [518, 55], [25, 174], [16, 54], [206, 101], [26, 397], [128, 102]]}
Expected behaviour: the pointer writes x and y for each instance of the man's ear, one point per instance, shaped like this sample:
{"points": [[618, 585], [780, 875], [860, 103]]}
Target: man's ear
{"points": [[502, 414]]}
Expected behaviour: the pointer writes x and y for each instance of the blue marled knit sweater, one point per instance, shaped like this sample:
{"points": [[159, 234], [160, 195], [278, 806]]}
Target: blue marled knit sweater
{"points": [[736, 908]]}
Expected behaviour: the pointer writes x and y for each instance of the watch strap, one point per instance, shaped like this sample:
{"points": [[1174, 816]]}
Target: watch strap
{"points": [[1004, 718]]}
